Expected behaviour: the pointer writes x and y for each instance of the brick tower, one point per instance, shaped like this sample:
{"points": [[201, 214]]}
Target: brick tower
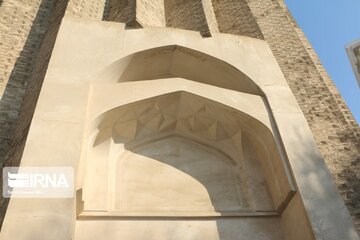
{"points": [[34, 35]]}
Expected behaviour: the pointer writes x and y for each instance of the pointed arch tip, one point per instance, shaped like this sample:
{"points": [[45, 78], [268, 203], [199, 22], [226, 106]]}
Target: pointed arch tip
{"points": [[175, 60]]}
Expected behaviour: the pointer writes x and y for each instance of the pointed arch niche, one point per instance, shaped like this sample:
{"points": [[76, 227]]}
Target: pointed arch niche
{"points": [[175, 61], [175, 132]]}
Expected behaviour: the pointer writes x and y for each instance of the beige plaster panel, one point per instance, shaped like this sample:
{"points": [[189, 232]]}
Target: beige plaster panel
{"points": [[180, 175], [210, 16], [295, 221], [208, 229]]}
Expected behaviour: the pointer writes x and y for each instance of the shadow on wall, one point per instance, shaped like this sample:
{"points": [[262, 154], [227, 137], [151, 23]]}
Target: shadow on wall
{"points": [[18, 102], [178, 174]]}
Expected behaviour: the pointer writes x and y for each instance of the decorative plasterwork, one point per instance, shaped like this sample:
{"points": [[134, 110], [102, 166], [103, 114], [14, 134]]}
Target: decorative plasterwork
{"points": [[178, 113], [120, 132]]}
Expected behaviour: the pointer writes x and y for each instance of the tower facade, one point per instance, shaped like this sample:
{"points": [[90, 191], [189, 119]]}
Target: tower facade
{"points": [[184, 119]]}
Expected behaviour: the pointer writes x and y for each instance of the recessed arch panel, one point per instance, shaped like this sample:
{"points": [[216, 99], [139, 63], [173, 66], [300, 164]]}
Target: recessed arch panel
{"points": [[119, 133], [177, 61]]}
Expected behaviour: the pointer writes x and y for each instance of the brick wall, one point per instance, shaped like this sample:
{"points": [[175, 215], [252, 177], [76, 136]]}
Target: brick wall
{"points": [[186, 14], [150, 13], [91, 9], [235, 17], [121, 11], [22, 27], [28, 71]]}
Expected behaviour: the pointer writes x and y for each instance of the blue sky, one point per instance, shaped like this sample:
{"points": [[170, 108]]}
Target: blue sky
{"points": [[330, 25]]}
